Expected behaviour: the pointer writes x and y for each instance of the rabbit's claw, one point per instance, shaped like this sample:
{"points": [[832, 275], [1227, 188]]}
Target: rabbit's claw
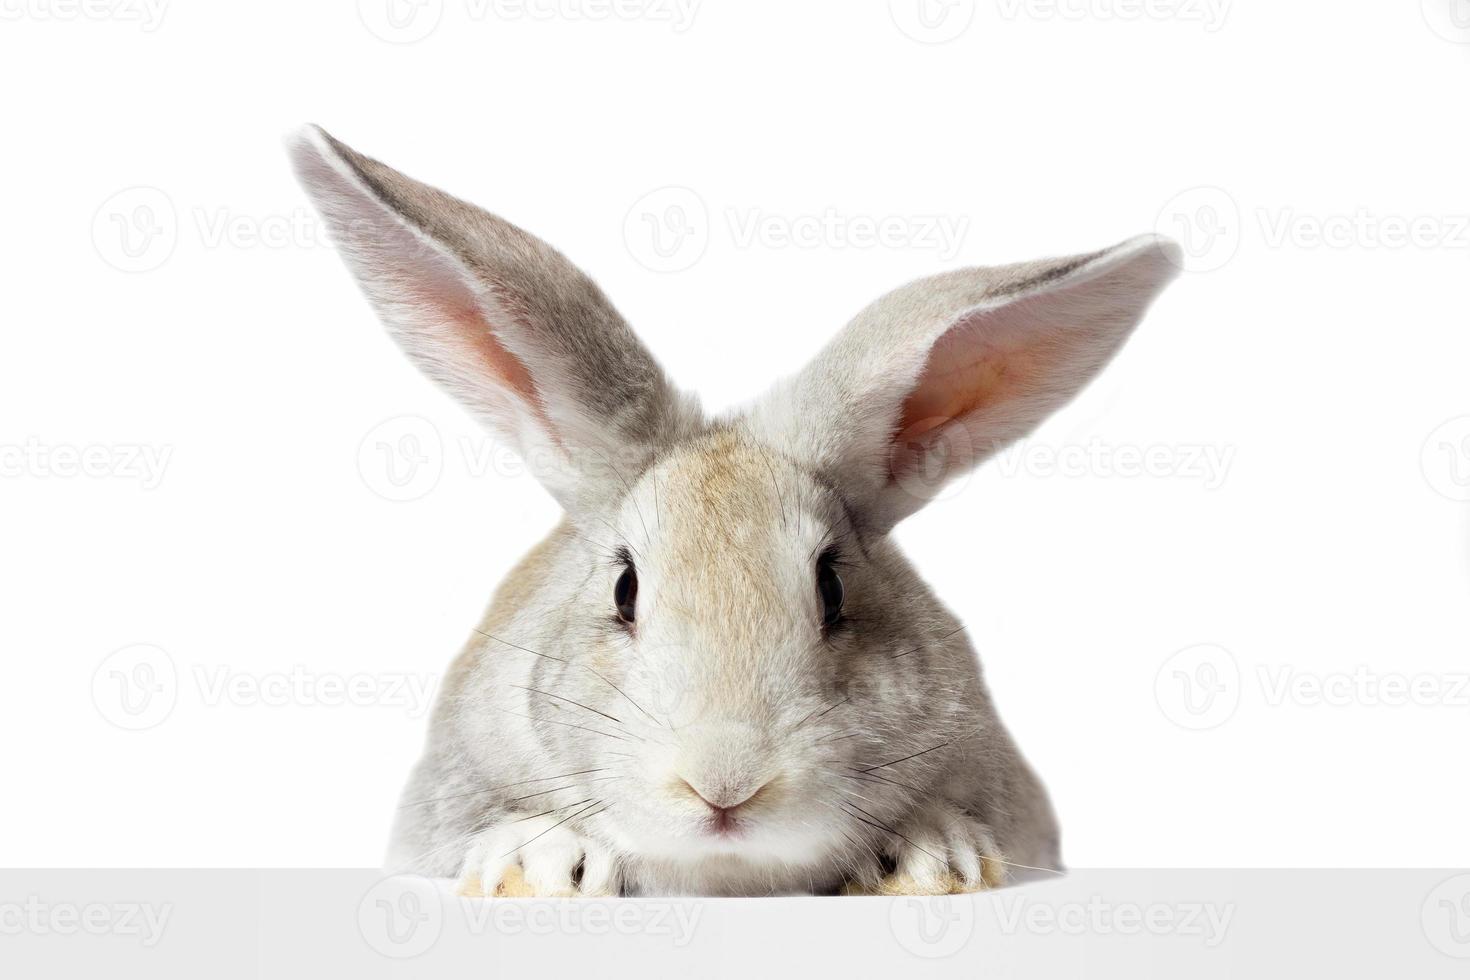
{"points": [[942, 851], [537, 858]]}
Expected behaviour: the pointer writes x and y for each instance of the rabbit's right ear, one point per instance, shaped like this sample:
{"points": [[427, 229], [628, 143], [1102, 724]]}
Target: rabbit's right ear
{"points": [[502, 321], [939, 374]]}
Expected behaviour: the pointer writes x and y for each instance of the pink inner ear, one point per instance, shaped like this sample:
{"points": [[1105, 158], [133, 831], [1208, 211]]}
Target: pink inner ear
{"points": [[468, 337], [511, 370], [965, 373]]}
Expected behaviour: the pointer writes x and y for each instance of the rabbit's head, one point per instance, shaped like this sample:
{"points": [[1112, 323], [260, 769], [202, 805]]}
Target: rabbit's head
{"points": [[727, 629]]}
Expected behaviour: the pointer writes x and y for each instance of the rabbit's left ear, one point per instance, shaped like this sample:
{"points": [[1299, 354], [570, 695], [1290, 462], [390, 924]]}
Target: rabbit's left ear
{"points": [[941, 373], [502, 321]]}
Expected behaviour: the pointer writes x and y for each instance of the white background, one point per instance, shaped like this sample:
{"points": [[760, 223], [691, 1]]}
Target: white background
{"points": [[201, 322]]}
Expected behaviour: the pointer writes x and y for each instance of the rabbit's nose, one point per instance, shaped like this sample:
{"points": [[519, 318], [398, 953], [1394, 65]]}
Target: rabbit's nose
{"points": [[723, 765], [721, 798]]}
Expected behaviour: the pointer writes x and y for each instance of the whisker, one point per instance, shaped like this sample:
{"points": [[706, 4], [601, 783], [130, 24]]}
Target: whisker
{"points": [[547, 813], [534, 653], [548, 830], [569, 663], [776, 485], [851, 793], [908, 757], [609, 553], [860, 842], [558, 697], [491, 789], [902, 837], [813, 716], [567, 724], [848, 775], [558, 789], [891, 782], [626, 489], [1028, 867], [621, 537], [598, 813], [463, 840], [619, 690], [921, 646]]}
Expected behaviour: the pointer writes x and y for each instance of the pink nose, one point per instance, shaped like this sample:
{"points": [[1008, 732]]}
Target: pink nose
{"points": [[723, 806], [722, 801]]}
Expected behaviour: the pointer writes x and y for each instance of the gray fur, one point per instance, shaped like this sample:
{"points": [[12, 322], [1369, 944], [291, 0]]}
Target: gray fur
{"points": [[566, 741]]}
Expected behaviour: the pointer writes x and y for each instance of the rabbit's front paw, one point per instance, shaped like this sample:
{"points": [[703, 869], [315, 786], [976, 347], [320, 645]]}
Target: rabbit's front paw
{"points": [[537, 858], [942, 851]]}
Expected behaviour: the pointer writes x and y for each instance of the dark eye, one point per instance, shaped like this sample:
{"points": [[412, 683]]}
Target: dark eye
{"points": [[625, 593], [829, 586]]}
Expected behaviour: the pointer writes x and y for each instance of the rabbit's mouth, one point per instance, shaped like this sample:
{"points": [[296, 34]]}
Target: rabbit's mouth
{"points": [[724, 823]]}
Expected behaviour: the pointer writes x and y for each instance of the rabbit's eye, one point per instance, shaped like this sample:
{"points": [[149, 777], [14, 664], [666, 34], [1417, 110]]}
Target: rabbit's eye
{"points": [[625, 593], [829, 586]]}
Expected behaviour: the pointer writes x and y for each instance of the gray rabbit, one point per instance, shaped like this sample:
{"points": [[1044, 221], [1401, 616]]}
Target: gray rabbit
{"points": [[718, 675]]}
